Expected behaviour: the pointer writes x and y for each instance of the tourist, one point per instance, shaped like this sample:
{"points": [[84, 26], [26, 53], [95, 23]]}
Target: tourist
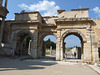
{"points": [[19, 52], [75, 54], [12, 53]]}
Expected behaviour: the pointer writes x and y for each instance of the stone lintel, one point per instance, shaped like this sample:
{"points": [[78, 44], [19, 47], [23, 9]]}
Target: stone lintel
{"points": [[25, 23], [28, 13], [81, 9], [60, 11], [49, 26], [72, 28], [50, 17], [75, 21], [49, 31], [24, 29]]}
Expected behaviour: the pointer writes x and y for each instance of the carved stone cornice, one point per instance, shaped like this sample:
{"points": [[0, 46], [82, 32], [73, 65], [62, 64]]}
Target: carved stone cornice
{"points": [[74, 20], [21, 22], [3, 11]]}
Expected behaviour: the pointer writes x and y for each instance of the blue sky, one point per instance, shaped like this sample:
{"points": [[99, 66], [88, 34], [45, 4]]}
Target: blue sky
{"points": [[70, 41], [13, 6], [49, 8]]}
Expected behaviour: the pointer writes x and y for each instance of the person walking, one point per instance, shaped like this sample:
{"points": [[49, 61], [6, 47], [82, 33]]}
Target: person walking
{"points": [[74, 54], [19, 52], [12, 53]]}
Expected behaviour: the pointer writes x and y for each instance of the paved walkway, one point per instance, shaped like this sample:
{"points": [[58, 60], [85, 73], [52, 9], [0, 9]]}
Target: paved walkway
{"points": [[42, 67], [95, 67]]}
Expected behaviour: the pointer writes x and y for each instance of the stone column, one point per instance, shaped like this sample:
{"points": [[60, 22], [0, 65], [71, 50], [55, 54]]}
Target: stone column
{"points": [[61, 50], [34, 42], [40, 49], [50, 50], [58, 45], [88, 50], [82, 54], [1, 1], [2, 28], [64, 49], [6, 3], [95, 53], [29, 47], [43, 48]]}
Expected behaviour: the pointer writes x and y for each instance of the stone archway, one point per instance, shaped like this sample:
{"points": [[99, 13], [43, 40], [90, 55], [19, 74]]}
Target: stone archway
{"points": [[76, 32], [19, 41], [67, 33], [41, 49], [80, 36]]}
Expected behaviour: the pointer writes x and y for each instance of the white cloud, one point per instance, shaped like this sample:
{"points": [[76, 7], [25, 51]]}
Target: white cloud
{"points": [[97, 10], [48, 7], [12, 19]]}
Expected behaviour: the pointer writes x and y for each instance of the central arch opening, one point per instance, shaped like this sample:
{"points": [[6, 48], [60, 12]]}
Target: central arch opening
{"points": [[22, 44], [73, 46], [49, 49]]}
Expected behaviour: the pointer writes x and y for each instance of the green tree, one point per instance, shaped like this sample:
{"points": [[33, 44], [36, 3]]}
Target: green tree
{"points": [[50, 43]]}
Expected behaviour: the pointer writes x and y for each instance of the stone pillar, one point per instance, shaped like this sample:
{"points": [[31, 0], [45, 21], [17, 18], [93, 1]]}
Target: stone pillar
{"points": [[43, 49], [82, 54], [6, 3], [64, 49], [87, 52], [95, 53], [1, 30], [34, 42], [1, 1], [29, 47], [58, 45], [40, 49], [50, 50], [61, 50]]}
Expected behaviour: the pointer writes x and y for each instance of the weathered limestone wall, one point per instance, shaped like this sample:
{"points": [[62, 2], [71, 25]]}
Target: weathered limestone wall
{"points": [[7, 32], [96, 29], [74, 14], [49, 20], [6, 38], [28, 16], [82, 29]]}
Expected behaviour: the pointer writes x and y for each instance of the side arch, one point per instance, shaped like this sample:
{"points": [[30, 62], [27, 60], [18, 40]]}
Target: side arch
{"points": [[74, 32], [46, 34], [16, 34]]}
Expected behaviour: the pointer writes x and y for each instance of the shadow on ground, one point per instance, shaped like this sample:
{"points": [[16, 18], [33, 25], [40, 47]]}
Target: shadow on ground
{"points": [[7, 64]]}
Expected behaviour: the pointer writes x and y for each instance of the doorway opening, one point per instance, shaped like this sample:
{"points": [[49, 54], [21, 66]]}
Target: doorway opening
{"points": [[22, 44], [73, 47], [49, 46]]}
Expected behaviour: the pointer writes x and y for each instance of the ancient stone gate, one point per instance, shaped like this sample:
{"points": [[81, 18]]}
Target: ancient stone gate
{"points": [[76, 22]]}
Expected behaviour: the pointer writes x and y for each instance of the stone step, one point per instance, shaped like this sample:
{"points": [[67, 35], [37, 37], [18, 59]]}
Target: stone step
{"points": [[73, 61]]}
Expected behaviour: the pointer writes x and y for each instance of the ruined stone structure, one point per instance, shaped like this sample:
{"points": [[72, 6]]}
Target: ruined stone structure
{"points": [[32, 24], [3, 13], [74, 52]]}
